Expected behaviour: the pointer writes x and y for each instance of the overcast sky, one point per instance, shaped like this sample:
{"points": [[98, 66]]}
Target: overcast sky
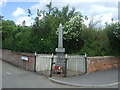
{"points": [[16, 10]]}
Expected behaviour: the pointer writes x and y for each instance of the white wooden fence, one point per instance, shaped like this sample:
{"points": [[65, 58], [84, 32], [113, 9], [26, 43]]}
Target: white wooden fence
{"points": [[43, 62], [75, 64]]}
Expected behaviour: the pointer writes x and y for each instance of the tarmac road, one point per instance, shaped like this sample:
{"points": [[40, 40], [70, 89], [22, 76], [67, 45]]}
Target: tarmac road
{"points": [[14, 77], [0, 74]]}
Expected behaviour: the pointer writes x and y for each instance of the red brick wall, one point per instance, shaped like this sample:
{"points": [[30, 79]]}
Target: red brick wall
{"points": [[15, 58], [93, 63], [102, 63]]}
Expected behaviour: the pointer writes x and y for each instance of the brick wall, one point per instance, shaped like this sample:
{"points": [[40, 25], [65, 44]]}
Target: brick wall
{"points": [[93, 63], [102, 63], [15, 58]]}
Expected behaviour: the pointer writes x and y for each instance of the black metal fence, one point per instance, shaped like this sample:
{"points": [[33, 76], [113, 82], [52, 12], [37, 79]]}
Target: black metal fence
{"points": [[70, 66], [58, 69]]}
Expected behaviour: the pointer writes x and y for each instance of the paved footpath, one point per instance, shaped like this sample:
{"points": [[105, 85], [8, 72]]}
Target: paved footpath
{"points": [[101, 79]]}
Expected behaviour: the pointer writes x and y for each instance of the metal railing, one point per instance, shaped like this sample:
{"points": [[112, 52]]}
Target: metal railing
{"points": [[58, 69], [70, 65]]}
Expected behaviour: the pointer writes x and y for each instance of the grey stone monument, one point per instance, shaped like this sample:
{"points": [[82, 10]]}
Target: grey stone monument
{"points": [[60, 50]]}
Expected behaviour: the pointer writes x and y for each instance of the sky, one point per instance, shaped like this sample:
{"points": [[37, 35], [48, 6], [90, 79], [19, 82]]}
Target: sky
{"points": [[103, 10]]}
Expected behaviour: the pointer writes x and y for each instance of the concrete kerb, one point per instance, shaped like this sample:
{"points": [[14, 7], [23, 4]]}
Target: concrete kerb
{"points": [[80, 85]]}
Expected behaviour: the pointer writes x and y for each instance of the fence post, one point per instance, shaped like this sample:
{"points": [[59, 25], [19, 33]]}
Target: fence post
{"points": [[65, 73], [35, 62], [85, 63], [26, 65], [51, 65]]}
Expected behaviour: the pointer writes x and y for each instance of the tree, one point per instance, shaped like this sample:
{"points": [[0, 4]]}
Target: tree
{"points": [[50, 8], [49, 23], [8, 34], [72, 34], [93, 22], [8, 28], [41, 37], [96, 42], [113, 31]]}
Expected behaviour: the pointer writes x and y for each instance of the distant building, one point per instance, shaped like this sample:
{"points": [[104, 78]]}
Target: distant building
{"points": [[24, 23], [1, 17]]}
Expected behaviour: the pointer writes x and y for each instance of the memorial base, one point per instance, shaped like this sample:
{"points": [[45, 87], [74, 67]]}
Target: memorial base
{"points": [[60, 56]]}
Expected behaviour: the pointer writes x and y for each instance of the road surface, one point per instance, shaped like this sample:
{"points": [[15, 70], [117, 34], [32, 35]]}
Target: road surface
{"points": [[14, 77], [0, 74]]}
